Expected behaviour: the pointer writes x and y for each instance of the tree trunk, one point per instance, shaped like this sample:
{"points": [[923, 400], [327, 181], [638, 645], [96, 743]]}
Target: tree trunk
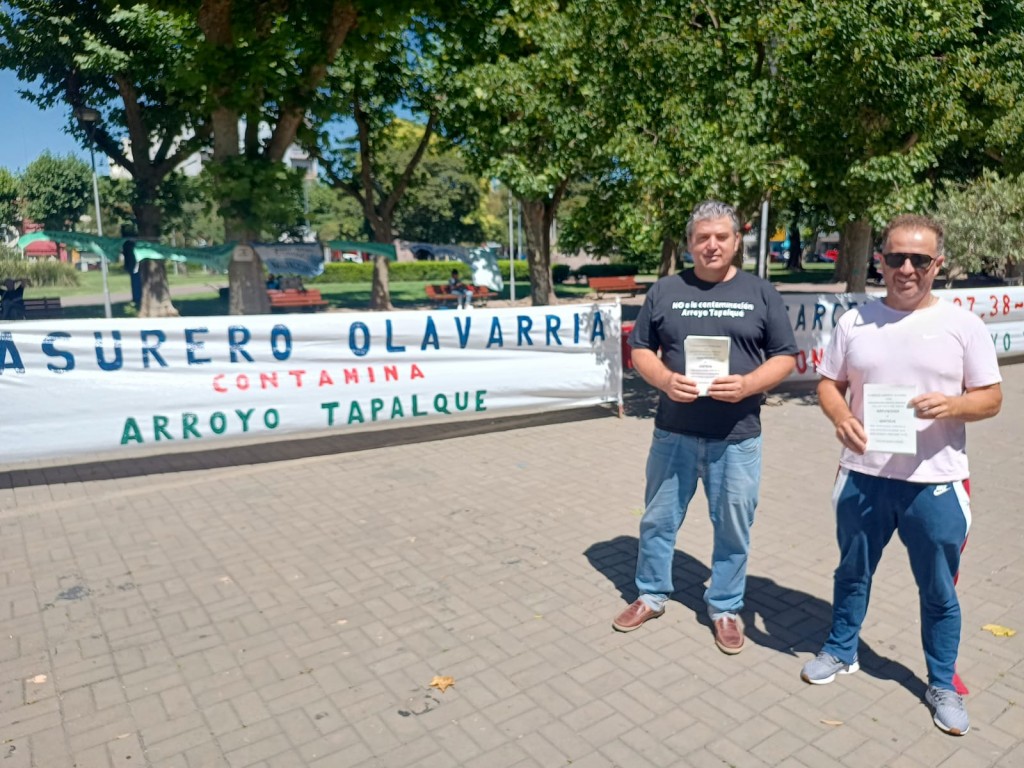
{"points": [[245, 276], [668, 257], [796, 248], [741, 254], [537, 216], [156, 292], [857, 239], [841, 273], [380, 291], [680, 262]]}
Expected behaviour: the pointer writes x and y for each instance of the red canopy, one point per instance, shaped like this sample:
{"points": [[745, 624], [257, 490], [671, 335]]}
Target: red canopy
{"points": [[42, 248]]}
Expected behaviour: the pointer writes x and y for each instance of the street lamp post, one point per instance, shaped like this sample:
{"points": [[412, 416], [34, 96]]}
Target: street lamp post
{"points": [[91, 118]]}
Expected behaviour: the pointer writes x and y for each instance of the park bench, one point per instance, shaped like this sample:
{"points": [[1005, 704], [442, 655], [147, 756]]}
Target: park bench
{"points": [[45, 308], [617, 284], [292, 299], [438, 294]]}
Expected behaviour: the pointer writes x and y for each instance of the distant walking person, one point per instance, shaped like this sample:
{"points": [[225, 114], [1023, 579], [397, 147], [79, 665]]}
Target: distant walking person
{"points": [[461, 290], [914, 341], [12, 299], [725, 339]]}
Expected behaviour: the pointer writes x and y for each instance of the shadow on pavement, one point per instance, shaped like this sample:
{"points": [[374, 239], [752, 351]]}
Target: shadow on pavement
{"points": [[240, 454], [639, 399], [794, 621]]}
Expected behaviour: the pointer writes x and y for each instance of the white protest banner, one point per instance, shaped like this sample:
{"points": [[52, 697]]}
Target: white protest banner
{"points": [[78, 387], [814, 315]]}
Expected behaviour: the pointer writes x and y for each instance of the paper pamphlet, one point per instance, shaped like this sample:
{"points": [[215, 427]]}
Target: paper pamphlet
{"points": [[889, 418], [707, 358]]}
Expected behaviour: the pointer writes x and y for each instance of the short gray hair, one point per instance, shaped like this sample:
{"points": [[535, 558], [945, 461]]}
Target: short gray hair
{"points": [[712, 209], [916, 221]]}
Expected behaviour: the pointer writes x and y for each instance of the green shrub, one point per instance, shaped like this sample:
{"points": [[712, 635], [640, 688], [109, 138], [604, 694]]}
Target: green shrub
{"points": [[559, 272], [434, 271], [399, 271], [521, 269], [39, 273]]}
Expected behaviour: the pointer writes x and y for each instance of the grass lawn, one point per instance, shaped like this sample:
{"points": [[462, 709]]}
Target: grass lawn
{"points": [[91, 283], [404, 295]]}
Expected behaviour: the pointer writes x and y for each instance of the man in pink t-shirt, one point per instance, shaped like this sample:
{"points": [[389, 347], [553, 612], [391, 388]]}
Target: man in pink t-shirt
{"points": [[913, 479]]}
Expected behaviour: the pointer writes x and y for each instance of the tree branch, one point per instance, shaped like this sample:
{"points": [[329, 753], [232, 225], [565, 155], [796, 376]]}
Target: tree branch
{"points": [[342, 20], [171, 155], [402, 184], [365, 157], [337, 182]]}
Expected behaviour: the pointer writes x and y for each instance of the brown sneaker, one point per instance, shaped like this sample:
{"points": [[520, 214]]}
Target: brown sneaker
{"points": [[729, 634], [635, 615]]}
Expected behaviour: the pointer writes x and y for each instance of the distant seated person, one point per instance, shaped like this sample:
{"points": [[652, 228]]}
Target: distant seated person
{"points": [[12, 299], [291, 283], [873, 274], [462, 291], [274, 283]]}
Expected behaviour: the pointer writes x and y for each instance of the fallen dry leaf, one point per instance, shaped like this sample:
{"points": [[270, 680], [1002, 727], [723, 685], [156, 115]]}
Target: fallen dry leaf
{"points": [[441, 683], [832, 722], [999, 631]]}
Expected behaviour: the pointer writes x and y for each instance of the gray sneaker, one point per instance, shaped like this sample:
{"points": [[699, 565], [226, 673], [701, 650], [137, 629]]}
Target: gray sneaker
{"points": [[824, 667], [949, 712]]}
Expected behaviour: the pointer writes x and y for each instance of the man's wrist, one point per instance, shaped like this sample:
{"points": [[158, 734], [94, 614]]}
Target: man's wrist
{"points": [[838, 422]]}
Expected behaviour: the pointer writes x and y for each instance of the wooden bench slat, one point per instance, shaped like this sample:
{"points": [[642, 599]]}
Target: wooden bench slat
{"points": [[43, 308], [439, 294], [616, 284], [293, 298]]}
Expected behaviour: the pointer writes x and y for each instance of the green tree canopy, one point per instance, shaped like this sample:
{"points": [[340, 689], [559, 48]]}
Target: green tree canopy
{"points": [[56, 190], [256, 75], [130, 69], [334, 215], [686, 89], [531, 113], [442, 204], [984, 222], [10, 213], [869, 96]]}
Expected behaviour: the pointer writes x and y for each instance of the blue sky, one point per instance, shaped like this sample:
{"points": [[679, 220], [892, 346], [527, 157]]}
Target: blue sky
{"points": [[27, 131]]}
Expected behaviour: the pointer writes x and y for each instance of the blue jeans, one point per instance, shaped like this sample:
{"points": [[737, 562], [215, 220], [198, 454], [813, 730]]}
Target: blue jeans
{"points": [[731, 473], [932, 521]]}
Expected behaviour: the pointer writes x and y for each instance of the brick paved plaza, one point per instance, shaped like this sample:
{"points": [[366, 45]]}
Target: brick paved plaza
{"points": [[288, 605]]}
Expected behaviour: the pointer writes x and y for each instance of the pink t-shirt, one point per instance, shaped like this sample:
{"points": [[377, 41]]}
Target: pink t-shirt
{"points": [[941, 348]]}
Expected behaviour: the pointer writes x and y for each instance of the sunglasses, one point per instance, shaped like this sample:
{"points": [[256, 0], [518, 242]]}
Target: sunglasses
{"points": [[917, 260]]}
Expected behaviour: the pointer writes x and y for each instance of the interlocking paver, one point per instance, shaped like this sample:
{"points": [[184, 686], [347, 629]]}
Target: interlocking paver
{"points": [[290, 607]]}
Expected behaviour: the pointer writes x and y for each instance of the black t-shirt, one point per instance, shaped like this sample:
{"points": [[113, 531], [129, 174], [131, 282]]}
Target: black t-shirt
{"points": [[745, 308]]}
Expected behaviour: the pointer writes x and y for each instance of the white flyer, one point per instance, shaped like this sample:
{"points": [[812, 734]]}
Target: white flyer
{"points": [[889, 418], [707, 358]]}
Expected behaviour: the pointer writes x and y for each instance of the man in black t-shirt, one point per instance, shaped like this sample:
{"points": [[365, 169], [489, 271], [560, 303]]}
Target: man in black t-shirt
{"points": [[724, 339]]}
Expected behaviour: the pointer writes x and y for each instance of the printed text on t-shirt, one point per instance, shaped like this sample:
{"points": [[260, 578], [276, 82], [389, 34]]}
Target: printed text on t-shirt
{"points": [[713, 308]]}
